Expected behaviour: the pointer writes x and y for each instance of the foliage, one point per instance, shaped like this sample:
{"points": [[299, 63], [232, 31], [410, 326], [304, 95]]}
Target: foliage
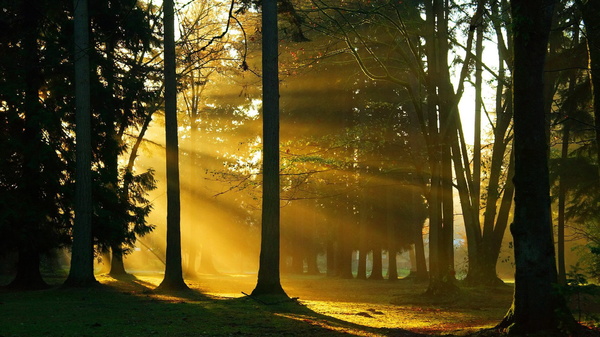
{"points": [[36, 97]]}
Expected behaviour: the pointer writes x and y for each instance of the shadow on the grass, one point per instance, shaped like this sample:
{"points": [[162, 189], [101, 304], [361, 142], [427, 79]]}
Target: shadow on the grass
{"points": [[249, 315], [295, 312]]}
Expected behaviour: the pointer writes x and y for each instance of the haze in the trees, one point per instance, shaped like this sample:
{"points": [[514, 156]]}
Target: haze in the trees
{"points": [[360, 167]]}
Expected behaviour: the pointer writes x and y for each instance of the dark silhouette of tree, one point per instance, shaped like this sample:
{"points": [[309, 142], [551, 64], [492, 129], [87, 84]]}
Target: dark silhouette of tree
{"points": [[537, 306], [590, 10], [121, 105], [268, 282], [29, 206], [82, 257], [40, 125], [173, 279]]}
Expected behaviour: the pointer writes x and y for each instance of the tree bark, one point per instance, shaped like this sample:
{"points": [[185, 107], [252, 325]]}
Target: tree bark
{"points": [[268, 282], [377, 270], [28, 272], [173, 279], [420, 259], [562, 194], [537, 306], [117, 266], [81, 272], [591, 12]]}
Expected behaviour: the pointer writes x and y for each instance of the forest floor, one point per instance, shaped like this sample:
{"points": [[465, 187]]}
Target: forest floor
{"points": [[217, 306]]}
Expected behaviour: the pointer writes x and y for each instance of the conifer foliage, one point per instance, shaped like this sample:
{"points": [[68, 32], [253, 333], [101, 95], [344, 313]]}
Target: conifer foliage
{"points": [[37, 113]]}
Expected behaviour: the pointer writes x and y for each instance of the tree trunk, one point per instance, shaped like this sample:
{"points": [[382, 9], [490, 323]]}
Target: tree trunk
{"points": [[28, 272], [268, 282], [392, 274], [81, 272], [361, 271], [117, 267], [312, 266], [591, 12], [377, 270], [207, 264], [346, 254], [391, 244], [331, 253], [562, 194], [363, 242], [173, 279], [537, 306], [440, 107], [420, 259]]}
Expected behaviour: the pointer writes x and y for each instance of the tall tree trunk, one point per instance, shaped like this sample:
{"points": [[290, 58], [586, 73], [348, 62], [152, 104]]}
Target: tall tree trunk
{"points": [[363, 242], [361, 268], [420, 259], [173, 279], [440, 93], [591, 12], [345, 252], [569, 106], [111, 165], [332, 255], [81, 272], [117, 267], [562, 194], [268, 282], [391, 244], [31, 193], [377, 269], [28, 272], [537, 306], [392, 274], [207, 264]]}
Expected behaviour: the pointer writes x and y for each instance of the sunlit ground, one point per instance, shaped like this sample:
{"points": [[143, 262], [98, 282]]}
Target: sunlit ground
{"points": [[216, 306], [376, 304]]}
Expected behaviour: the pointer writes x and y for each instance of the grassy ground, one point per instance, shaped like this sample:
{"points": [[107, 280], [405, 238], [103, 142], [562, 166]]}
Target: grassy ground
{"points": [[217, 307]]}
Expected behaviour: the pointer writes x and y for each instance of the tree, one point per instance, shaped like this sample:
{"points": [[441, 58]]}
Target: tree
{"points": [[31, 223], [590, 10], [268, 282], [173, 279], [39, 134], [82, 259], [204, 47], [491, 189], [537, 306], [122, 105], [420, 40]]}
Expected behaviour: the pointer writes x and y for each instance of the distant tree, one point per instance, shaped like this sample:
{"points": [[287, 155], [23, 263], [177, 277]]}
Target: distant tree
{"points": [[486, 194], [268, 282], [82, 257], [421, 38], [204, 47], [537, 306]]}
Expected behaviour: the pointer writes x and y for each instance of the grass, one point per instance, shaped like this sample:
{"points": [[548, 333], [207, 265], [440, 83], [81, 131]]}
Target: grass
{"points": [[216, 307]]}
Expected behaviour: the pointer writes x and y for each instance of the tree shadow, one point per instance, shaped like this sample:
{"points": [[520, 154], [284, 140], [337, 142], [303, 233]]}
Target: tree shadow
{"points": [[251, 315], [295, 312]]}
